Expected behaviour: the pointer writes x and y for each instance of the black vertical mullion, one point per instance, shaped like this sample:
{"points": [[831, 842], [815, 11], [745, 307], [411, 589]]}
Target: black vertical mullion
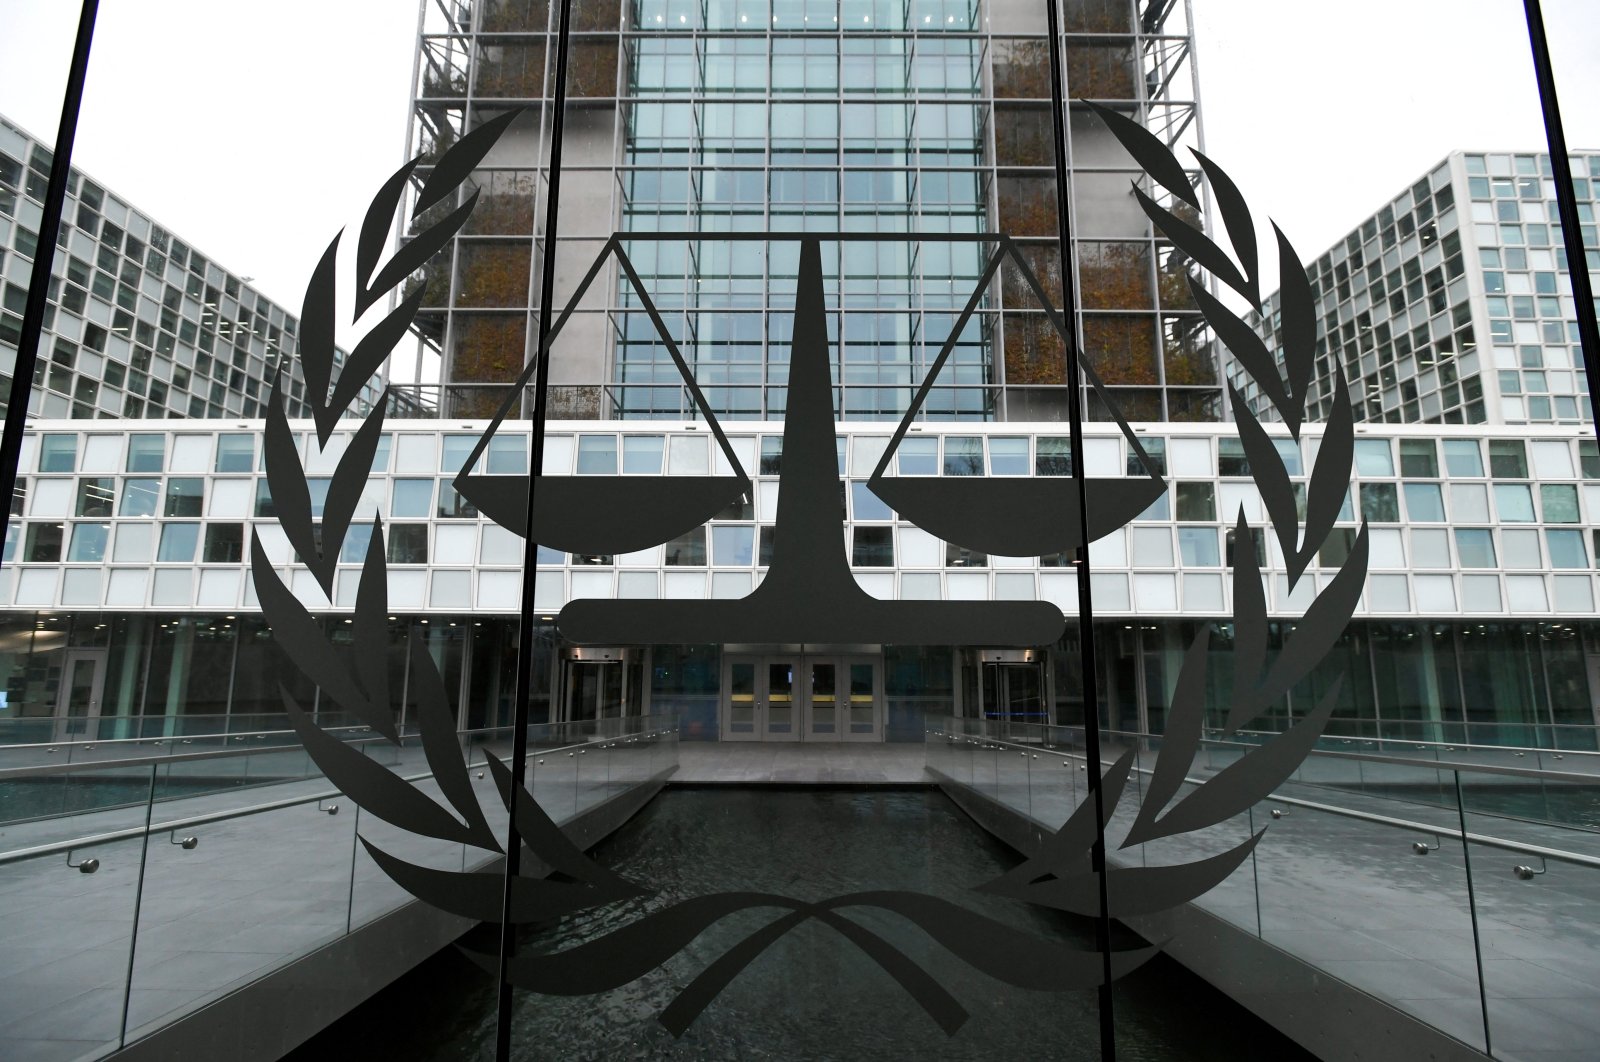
{"points": [[1567, 202], [1091, 698], [44, 256], [530, 547]]}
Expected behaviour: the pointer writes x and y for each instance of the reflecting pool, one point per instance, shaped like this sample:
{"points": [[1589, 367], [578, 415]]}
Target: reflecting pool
{"points": [[811, 995]]}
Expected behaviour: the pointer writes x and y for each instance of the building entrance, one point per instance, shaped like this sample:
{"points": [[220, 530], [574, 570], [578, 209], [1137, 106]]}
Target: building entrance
{"points": [[82, 683], [598, 685], [795, 697], [1013, 686]]}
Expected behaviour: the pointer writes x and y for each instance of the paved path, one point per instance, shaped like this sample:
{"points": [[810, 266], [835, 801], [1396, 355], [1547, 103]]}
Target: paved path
{"points": [[1354, 899], [794, 763], [258, 892]]}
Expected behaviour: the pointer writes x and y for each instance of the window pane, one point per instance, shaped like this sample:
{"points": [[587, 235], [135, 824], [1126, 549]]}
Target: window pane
{"points": [[508, 455], [456, 450], [1559, 502], [1566, 549], [88, 542], [236, 453], [96, 496], [1514, 501], [1424, 501], [178, 542], [59, 453], [963, 456], [1373, 457], [408, 543], [597, 455], [919, 457], [44, 543], [139, 496], [412, 497], [1462, 457], [873, 547], [1008, 457], [688, 549], [1197, 547], [225, 543], [1196, 501], [1475, 547], [865, 505], [185, 497], [733, 545], [1379, 503], [1469, 503], [1418, 458], [1508, 459], [642, 454], [1054, 457], [147, 453]]}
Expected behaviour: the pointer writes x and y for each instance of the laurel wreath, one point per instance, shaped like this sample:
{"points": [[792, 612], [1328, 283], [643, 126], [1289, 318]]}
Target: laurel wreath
{"points": [[1057, 875]]}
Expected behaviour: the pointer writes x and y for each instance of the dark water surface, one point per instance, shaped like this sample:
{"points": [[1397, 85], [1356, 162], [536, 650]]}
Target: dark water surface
{"points": [[812, 995]]}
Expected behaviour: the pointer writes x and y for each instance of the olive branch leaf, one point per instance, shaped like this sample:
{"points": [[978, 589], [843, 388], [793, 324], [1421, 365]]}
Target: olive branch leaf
{"points": [[1058, 873]]}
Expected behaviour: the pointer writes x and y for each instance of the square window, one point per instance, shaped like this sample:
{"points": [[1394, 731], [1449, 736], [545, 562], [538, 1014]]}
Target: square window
{"points": [[408, 543], [872, 547], [1374, 458], [185, 497], [688, 549], [177, 543], [1559, 502], [236, 453], [918, 457], [411, 497], [960, 557], [1008, 456], [642, 454], [1197, 547], [1196, 501], [963, 456], [597, 455], [1469, 503], [139, 497], [58, 453], [1514, 502], [1053, 457], [453, 506], [225, 543], [865, 505], [1462, 457], [508, 454], [1379, 503], [1424, 501], [1566, 549], [96, 497], [147, 453], [1508, 459], [44, 543], [1475, 547], [457, 448], [1419, 459], [89, 542], [733, 545]]}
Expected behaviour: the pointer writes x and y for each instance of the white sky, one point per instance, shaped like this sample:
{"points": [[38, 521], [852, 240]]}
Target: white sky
{"points": [[255, 130]]}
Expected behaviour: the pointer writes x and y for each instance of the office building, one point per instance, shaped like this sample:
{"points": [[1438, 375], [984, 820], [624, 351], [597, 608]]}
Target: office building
{"points": [[139, 325], [1453, 304]]}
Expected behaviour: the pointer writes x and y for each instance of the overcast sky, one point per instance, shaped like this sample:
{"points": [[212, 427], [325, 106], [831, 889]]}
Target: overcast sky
{"points": [[255, 130]]}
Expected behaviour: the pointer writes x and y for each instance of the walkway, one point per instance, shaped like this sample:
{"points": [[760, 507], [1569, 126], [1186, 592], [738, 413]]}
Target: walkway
{"points": [[256, 893], [795, 763], [1354, 899]]}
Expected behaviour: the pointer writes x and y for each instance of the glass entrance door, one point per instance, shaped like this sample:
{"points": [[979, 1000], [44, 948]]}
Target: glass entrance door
{"points": [[83, 680], [782, 699], [1014, 693], [810, 698]]}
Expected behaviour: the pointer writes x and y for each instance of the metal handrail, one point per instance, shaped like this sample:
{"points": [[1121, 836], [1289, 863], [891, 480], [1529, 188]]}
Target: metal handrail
{"points": [[206, 754], [131, 832], [1522, 848], [1447, 745]]}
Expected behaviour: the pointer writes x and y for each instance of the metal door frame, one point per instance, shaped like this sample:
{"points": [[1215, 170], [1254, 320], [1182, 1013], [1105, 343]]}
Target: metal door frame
{"points": [[64, 720]]}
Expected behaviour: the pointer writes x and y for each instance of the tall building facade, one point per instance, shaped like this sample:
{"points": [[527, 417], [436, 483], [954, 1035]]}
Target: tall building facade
{"points": [[894, 118], [139, 324], [1453, 303]]}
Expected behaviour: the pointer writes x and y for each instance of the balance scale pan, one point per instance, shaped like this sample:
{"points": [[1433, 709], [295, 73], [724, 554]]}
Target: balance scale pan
{"points": [[1016, 517], [602, 514]]}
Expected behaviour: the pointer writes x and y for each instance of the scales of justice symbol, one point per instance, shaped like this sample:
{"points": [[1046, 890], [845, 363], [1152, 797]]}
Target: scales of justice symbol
{"points": [[809, 594]]}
